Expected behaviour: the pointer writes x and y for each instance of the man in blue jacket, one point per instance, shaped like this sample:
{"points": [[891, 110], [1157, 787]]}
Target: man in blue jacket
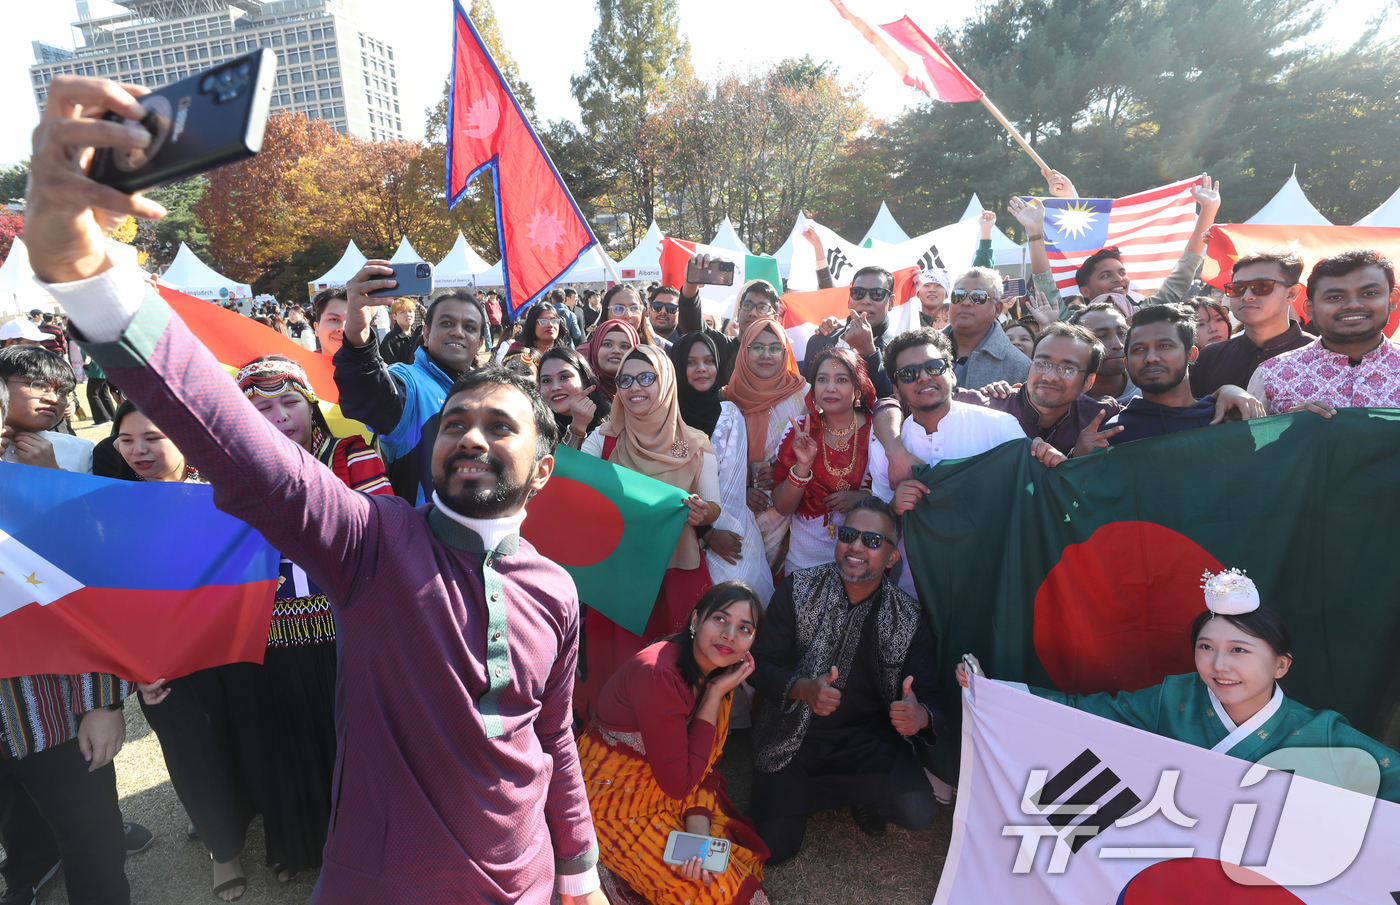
{"points": [[400, 402]]}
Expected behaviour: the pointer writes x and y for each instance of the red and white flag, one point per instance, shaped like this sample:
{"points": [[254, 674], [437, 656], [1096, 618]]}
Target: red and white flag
{"points": [[1151, 230], [541, 231], [916, 57]]}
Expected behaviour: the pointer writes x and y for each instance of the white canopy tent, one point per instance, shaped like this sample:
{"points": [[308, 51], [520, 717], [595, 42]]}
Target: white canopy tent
{"points": [[784, 252], [1290, 207], [19, 294], [1388, 214], [460, 266], [1005, 252], [884, 229], [728, 239], [192, 276], [644, 262], [592, 267], [405, 254], [348, 265]]}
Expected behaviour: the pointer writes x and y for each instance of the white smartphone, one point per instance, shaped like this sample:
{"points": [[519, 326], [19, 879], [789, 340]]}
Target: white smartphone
{"points": [[713, 852]]}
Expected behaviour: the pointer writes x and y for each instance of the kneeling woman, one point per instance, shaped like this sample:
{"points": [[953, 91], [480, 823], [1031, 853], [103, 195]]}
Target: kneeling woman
{"points": [[1232, 704], [649, 754]]}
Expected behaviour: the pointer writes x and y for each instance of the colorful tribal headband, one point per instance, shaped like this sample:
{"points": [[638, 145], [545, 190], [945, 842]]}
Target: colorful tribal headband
{"points": [[273, 377]]}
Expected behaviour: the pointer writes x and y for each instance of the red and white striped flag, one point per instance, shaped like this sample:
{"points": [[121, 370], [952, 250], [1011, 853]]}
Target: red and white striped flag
{"points": [[1151, 230], [916, 57]]}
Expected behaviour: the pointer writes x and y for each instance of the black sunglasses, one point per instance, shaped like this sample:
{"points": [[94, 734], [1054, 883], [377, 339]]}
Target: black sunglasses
{"points": [[659, 307], [1253, 287], [876, 295], [872, 539], [933, 367]]}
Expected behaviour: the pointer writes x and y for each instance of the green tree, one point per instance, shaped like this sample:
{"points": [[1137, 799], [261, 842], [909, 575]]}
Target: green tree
{"points": [[161, 239], [14, 182], [636, 48]]}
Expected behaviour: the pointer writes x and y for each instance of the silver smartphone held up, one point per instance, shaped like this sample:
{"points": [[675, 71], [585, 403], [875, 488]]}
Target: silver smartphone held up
{"points": [[712, 851], [413, 279]]}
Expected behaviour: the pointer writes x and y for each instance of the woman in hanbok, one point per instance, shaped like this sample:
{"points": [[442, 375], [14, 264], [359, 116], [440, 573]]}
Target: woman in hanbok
{"points": [[733, 544], [649, 753], [1232, 704], [647, 435], [769, 391], [823, 466]]}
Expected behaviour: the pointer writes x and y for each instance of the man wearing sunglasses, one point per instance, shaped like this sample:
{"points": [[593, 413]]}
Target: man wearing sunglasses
{"points": [[871, 291], [663, 305], [982, 354], [849, 672], [757, 300], [1264, 286]]}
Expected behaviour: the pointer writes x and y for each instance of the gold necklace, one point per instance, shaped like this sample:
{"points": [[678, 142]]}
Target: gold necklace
{"points": [[838, 473], [845, 431], [842, 443]]}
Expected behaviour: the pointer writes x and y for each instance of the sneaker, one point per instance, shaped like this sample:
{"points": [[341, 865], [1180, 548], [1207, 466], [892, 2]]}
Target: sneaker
{"points": [[26, 896], [138, 838], [867, 817]]}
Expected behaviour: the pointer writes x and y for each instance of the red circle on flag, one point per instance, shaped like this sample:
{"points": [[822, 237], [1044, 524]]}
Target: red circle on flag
{"points": [[1203, 881], [572, 524], [1115, 612]]}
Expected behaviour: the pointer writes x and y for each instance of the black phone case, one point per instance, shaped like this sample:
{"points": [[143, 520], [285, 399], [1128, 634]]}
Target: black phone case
{"points": [[196, 124]]}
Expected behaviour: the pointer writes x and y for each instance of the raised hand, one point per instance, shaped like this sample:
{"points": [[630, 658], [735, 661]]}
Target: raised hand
{"points": [[1206, 193], [1092, 439], [1043, 310], [986, 221], [907, 714], [1030, 214], [1059, 184], [374, 276], [583, 409], [804, 448], [829, 326], [815, 241], [699, 261], [858, 334]]}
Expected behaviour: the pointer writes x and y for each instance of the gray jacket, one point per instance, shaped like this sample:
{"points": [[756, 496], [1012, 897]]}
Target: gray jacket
{"points": [[993, 359]]}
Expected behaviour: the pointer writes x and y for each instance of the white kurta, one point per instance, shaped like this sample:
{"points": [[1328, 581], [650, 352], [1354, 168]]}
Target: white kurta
{"points": [[732, 453], [773, 524]]}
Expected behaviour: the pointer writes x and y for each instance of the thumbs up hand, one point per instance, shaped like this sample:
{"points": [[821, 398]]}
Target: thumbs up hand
{"points": [[819, 693], [907, 714]]}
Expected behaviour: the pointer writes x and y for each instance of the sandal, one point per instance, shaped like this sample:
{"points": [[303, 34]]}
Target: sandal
{"points": [[231, 884], [278, 869]]}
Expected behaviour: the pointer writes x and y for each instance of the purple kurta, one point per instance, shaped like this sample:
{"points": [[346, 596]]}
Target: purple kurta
{"points": [[457, 778]]}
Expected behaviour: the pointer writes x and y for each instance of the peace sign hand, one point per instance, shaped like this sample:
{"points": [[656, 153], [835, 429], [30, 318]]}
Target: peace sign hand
{"points": [[1091, 438], [804, 448]]}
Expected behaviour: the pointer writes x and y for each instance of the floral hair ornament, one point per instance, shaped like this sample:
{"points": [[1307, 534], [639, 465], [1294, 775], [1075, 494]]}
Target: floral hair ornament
{"points": [[271, 377], [1230, 593]]}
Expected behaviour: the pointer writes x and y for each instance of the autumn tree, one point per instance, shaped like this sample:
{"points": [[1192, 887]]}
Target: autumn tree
{"points": [[11, 228]]}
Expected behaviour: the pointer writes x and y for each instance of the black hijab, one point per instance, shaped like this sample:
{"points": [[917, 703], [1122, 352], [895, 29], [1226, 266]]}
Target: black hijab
{"points": [[699, 410]]}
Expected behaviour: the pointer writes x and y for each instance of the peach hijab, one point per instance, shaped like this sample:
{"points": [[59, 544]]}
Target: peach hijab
{"points": [[755, 395]]}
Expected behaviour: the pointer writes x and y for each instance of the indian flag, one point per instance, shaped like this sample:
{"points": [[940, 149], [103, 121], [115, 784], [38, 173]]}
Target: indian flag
{"points": [[717, 300]]}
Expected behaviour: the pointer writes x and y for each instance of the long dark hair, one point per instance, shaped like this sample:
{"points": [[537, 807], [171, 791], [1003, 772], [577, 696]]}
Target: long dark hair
{"points": [[1264, 623], [569, 355], [719, 597], [532, 317]]}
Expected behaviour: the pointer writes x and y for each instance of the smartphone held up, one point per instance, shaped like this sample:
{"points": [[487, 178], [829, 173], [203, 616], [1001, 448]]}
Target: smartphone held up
{"points": [[197, 124]]}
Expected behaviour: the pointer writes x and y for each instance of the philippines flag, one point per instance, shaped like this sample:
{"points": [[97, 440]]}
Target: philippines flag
{"points": [[142, 580], [541, 230], [1150, 228]]}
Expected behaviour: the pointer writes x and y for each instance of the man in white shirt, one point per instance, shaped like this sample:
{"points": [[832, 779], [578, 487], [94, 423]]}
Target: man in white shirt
{"points": [[920, 364], [39, 384]]}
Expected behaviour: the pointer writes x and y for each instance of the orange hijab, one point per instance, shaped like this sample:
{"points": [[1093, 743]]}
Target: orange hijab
{"points": [[755, 395]]}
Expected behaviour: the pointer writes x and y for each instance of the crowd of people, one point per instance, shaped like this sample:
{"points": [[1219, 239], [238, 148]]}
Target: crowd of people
{"points": [[437, 717]]}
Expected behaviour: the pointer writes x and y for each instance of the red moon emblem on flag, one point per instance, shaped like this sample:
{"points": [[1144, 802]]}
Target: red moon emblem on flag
{"points": [[1115, 611], [572, 524], [1201, 881]]}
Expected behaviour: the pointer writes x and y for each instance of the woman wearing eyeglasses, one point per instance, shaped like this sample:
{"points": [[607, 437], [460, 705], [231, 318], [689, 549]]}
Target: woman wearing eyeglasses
{"points": [[647, 434], [769, 390], [622, 303], [823, 466], [543, 330]]}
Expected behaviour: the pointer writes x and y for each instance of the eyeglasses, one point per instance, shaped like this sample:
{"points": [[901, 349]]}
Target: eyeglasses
{"points": [[767, 350], [1253, 287], [39, 387], [876, 295], [760, 307], [644, 379], [549, 320], [626, 309], [975, 296], [1041, 366], [872, 539], [933, 367], [659, 307]]}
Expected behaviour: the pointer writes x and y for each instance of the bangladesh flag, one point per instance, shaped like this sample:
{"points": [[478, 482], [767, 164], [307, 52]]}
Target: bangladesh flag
{"points": [[1086, 577], [675, 254], [611, 528]]}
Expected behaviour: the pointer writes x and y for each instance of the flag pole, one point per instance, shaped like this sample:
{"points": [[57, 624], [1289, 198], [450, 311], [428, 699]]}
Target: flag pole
{"points": [[987, 102]]}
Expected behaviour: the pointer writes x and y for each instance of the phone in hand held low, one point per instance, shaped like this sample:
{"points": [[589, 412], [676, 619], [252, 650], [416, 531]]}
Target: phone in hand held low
{"points": [[196, 124], [1013, 289], [712, 852], [718, 272], [413, 279]]}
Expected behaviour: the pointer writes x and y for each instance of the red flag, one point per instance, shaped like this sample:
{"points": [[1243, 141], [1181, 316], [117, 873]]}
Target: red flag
{"points": [[918, 59], [1226, 243], [541, 230]]}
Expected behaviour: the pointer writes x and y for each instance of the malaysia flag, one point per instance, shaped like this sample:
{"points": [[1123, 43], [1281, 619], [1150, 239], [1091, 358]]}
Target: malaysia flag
{"points": [[1151, 230], [540, 228]]}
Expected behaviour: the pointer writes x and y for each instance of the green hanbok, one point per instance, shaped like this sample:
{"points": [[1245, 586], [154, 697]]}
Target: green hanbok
{"points": [[1183, 708]]}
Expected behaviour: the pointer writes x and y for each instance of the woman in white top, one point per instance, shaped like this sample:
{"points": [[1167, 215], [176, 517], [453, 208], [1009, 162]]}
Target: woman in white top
{"points": [[647, 434]]}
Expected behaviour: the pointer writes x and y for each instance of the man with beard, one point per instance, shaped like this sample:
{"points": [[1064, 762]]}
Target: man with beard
{"points": [[400, 402], [1161, 348], [1110, 328], [663, 303], [457, 778], [1351, 364], [847, 665]]}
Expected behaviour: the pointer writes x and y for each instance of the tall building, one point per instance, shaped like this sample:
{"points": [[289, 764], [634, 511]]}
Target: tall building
{"points": [[328, 66]]}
